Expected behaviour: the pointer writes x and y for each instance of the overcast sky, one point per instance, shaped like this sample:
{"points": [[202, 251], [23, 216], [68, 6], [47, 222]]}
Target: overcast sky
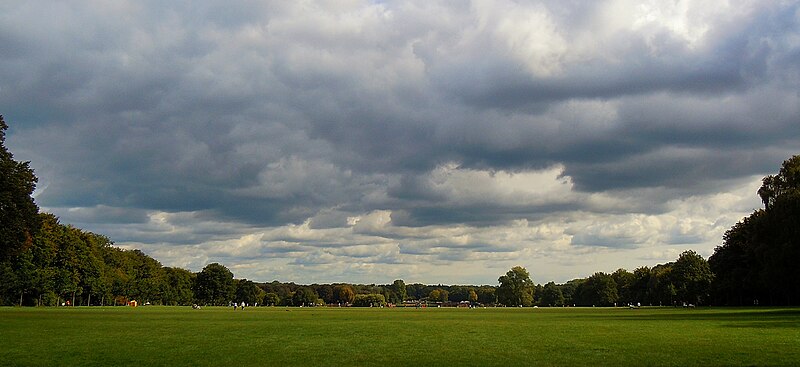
{"points": [[431, 141]]}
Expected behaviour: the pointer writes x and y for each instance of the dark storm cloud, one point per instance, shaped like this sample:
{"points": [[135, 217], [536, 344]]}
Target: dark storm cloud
{"points": [[260, 114]]}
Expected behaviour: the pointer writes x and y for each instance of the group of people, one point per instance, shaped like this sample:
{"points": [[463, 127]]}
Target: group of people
{"points": [[242, 305]]}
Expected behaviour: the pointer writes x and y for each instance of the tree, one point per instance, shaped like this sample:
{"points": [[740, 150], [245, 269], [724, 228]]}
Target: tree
{"points": [[692, 277], [459, 293], [19, 219], [516, 288], [487, 295], [247, 291], [624, 281], [271, 299], [439, 295], [344, 293], [399, 294], [784, 185], [473, 296], [551, 295], [598, 290], [638, 290], [570, 291], [758, 259], [178, 284], [416, 291], [326, 292], [736, 271], [304, 296], [369, 300], [661, 289], [214, 285]]}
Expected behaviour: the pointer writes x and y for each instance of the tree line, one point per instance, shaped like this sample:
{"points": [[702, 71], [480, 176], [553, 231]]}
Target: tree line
{"points": [[45, 262]]}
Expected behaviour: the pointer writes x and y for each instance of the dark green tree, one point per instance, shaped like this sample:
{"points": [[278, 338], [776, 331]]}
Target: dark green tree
{"points": [[369, 300], [416, 291], [735, 267], [214, 285], [570, 289], [625, 281], [639, 291], [598, 290], [692, 278], [178, 285], [19, 219], [661, 289], [758, 259], [247, 291], [271, 299], [487, 295], [551, 295], [326, 292], [516, 288], [304, 296], [399, 293]]}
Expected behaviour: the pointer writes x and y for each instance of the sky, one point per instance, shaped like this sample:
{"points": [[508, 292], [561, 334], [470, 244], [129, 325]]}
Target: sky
{"points": [[440, 142]]}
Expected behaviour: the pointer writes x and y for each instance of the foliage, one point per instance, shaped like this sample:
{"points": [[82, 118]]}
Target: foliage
{"points": [[214, 285], [625, 281], [344, 293], [247, 291], [487, 295], [19, 219], [692, 276], [304, 296], [271, 299], [397, 292], [551, 295], [369, 300], [757, 262], [177, 285], [439, 295], [516, 288], [598, 290]]}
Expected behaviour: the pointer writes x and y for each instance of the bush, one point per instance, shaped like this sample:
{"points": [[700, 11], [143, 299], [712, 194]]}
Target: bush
{"points": [[369, 300]]}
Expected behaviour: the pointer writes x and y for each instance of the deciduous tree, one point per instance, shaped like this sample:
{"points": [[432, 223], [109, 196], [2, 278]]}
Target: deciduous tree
{"points": [[551, 295], [516, 288], [19, 220], [214, 285]]}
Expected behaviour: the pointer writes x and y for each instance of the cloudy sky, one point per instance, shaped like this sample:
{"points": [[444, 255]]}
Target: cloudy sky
{"points": [[432, 141]]}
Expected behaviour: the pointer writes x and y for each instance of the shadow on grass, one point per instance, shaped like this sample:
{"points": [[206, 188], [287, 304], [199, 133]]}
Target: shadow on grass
{"points": [[729, 317]]}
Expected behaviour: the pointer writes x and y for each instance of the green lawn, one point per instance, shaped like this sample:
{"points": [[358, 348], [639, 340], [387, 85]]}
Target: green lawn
{"points": [[180, 336]]}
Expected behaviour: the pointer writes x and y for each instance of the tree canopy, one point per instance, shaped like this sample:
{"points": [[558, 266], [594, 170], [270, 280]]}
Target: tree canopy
{"points": [[19, 218], [214, 285], [757, 261], [516, 288]]}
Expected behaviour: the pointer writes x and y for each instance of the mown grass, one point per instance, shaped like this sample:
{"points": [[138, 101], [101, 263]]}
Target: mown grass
{"points": [[180, 336]]}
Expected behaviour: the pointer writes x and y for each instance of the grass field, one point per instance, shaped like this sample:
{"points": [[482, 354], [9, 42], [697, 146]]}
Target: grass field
{"points": [[180, 336]]}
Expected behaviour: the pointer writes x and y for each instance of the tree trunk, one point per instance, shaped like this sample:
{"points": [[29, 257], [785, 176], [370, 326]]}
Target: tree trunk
{"points": [[73, 299], [20, 298], [89, 302]]}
